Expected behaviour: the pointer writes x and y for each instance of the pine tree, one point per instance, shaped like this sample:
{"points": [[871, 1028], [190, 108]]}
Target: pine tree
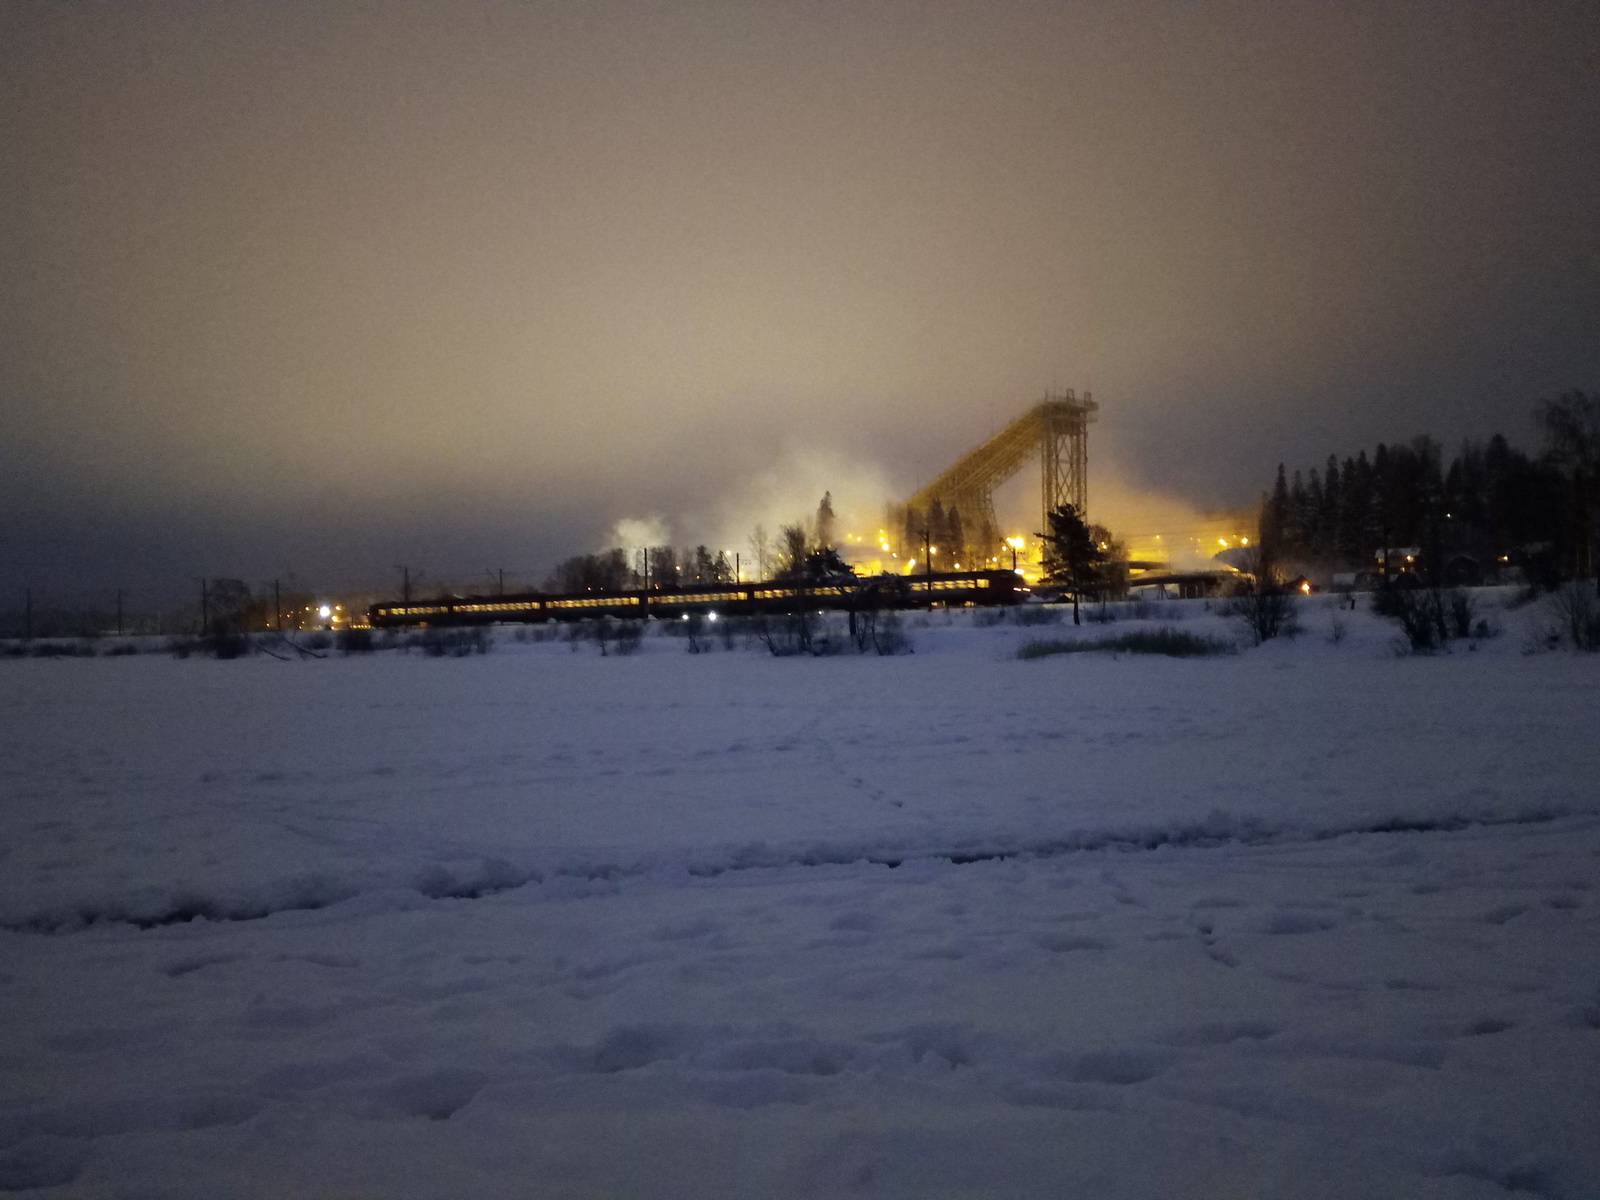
{"points": [[1073, 559], [1331, 549], [824, 537], [955, 536], [1275, 515]]}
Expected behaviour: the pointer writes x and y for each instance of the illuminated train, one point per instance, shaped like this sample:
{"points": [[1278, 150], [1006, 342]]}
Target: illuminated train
{"points": [[942, 588]]}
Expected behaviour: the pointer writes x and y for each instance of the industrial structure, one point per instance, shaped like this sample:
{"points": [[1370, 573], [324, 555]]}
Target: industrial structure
{"points": [[957, 509]]}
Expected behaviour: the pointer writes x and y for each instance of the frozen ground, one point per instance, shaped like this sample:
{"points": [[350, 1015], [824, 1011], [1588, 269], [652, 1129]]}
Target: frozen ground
{"points": [[1309, 920]]}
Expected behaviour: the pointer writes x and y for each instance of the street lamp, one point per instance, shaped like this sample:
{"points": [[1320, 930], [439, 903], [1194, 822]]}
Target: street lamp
{"points": [[1016, 544]]}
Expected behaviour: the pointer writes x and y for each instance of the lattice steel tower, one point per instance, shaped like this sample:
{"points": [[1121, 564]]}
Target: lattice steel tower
{"points": [[1064, 450], [1058, 425]]}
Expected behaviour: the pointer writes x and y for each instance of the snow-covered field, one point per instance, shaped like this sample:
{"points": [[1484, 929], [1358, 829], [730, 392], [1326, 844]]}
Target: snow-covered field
{"points": [[1308, 920]]}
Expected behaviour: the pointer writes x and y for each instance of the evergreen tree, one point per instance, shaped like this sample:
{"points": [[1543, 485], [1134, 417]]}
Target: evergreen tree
{"points": [[936, 533], [955, 537], [1490, 502], [1571, 424], [825, 521], [1328, 522], [705, 567], [663, 566], [1073, 559]]}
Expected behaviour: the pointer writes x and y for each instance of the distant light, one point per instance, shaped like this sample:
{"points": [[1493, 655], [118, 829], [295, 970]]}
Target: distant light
{"points": [[711, 616], [325, 612], [685, 616], [1244, 541], [1222, 541]]}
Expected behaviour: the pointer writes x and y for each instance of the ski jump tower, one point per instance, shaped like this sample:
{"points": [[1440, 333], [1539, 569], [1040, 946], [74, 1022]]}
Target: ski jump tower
{"points": [[958, 507]]}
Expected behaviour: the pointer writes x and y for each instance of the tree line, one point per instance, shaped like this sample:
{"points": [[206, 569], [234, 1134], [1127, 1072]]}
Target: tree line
{"points": [[1488, 507], [800, 552]]}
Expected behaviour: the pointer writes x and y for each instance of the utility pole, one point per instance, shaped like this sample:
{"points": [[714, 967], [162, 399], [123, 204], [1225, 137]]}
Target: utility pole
{"points": [[119, 612], [738, 572], [277, 607], [927, 569], [502, 591]]}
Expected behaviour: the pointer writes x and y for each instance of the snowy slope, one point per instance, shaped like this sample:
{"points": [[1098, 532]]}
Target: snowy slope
{"points": [[1311, 919]]}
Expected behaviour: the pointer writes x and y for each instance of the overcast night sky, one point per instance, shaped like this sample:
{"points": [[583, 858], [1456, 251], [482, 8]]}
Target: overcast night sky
{"points": [[328, 288]]}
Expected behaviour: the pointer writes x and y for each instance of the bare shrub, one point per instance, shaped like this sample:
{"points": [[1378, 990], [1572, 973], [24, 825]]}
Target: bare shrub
{"points": [[627, 636], [864, 621], [1036, 614], [787, 634], [1461, 609], [1264, 605], [1418, 611], [77, 648], [882, 631], [889, 635], [1173, 643], [1577, 609], [356, 641], [1101, 614], [452, 643], [1429, 617], [1266, 610], [694, 629]]}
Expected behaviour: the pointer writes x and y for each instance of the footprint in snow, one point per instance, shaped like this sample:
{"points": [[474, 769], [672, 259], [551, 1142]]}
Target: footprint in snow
{"points": [[1061, 943], [1499, 916]]}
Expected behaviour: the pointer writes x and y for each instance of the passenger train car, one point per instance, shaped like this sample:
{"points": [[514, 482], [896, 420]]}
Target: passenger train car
{"points": [[944, 589]]}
